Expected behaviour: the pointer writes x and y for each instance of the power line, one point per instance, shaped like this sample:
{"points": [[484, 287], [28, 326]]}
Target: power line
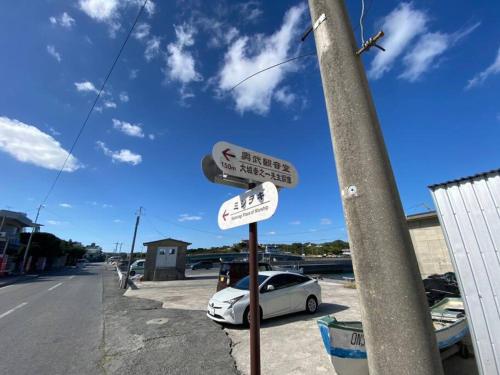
{"points": [[70, 152], [271, 67]]}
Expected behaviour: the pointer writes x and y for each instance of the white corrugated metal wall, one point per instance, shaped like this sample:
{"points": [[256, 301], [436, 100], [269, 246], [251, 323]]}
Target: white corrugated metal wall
{"points": [[469, 212]]}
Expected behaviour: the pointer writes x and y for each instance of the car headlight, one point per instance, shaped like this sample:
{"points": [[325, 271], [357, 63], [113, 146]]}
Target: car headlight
{"points": [[232, 301]]}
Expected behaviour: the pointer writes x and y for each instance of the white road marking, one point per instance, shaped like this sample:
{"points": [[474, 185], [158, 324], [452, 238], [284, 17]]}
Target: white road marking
{"points": [[12, 310], [72, 276], [55, 286]]}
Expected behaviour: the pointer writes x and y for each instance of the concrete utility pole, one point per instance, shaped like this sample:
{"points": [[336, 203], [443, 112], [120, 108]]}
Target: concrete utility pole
{"points": [[26, 252], [399, 335], [124, 286]]}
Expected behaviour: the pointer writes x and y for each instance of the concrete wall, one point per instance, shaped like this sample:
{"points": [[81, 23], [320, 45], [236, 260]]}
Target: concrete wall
{"points": [[430, 246]]}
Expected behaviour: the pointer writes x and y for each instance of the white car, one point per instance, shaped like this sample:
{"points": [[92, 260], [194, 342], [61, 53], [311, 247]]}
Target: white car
{"points": [[280, 293]]}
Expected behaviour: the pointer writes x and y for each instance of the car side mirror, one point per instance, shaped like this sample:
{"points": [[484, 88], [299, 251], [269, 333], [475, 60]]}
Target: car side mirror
{"points": [[270, 288]]}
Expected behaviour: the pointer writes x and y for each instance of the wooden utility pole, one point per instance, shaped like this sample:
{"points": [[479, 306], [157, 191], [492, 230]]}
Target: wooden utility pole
{"points": [[124, 286], [396, 322], [28, 246]]}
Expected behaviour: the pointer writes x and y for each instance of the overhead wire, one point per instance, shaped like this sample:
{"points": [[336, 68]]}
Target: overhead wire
{"points": [[361, 26], [99, 93], [271, 67]]}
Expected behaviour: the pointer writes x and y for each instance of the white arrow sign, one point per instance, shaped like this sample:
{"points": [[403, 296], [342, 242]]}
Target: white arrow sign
{"points": [[253, 166], [252, 206]]}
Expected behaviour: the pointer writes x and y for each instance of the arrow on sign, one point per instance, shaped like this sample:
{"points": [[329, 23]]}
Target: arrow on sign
{"points": [[224, 215], [227, 154]]}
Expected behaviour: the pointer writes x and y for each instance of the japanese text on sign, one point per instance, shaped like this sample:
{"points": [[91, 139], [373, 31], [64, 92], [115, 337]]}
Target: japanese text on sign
{"points": [[253, 166]]}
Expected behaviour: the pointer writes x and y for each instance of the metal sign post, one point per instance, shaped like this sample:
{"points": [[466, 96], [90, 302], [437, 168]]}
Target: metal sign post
{"points": [[254, 300], [242, 168]]}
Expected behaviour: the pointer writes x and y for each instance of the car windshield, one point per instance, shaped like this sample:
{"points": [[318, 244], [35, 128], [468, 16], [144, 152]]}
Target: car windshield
{"points": [[244, 283]]}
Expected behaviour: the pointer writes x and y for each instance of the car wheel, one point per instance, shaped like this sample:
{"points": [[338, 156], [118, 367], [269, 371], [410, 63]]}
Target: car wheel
{"points": [[246, 316], [311, 305], [132, 273]]}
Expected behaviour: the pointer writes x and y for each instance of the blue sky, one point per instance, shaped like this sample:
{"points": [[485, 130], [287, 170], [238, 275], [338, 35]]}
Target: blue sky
{"points": [[168, 101]]}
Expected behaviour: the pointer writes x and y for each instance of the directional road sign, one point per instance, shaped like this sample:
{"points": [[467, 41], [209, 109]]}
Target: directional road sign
{"points": [[252, 206], [253, 166]]}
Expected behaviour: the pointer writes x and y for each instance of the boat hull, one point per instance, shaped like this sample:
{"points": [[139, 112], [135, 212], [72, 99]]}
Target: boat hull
{"points": [[345, 342]]}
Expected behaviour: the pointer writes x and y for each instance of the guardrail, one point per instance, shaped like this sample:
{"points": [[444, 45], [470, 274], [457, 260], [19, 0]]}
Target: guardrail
{"points": [[121, 275]]}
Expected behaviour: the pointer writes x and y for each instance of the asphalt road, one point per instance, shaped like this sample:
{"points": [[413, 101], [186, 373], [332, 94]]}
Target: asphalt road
{"points": [[79, 322], [53, 324]]}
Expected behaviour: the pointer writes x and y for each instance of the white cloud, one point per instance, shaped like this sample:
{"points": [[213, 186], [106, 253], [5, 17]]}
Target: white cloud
{"points": [[55, 222], [86, 86], [65, 205], [221, 34], [325, 221], [152, 48], [124, 97], [128, 128], [108, 11], [117, 221], [296, 222], [133, 73], [121, 156], [419, 60], [247, 55], [109, 104], [271, 233], [151, 136], [423, 55], [100, 10], [284, 96], [250, 11], [400, 26], [54, 131], [141, 31], [29, 144], [65, 20], [52, 51], [180, 62], [479, 78], [187, 217]]}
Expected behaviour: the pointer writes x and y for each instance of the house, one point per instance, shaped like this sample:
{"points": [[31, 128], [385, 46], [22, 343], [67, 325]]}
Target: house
{"points": [[12, 224]]}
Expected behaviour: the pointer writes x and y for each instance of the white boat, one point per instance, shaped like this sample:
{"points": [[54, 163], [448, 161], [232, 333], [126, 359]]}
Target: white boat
{"points": [[345, 341]]}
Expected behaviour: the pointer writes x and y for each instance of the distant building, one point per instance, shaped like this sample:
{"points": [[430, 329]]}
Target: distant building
{"points": [[12, 224], [429, 243], [165, 260], [346, 252], [93, 249]]}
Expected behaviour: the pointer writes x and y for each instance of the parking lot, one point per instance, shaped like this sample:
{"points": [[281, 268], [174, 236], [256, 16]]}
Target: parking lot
{"points": [[290, 344]]}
